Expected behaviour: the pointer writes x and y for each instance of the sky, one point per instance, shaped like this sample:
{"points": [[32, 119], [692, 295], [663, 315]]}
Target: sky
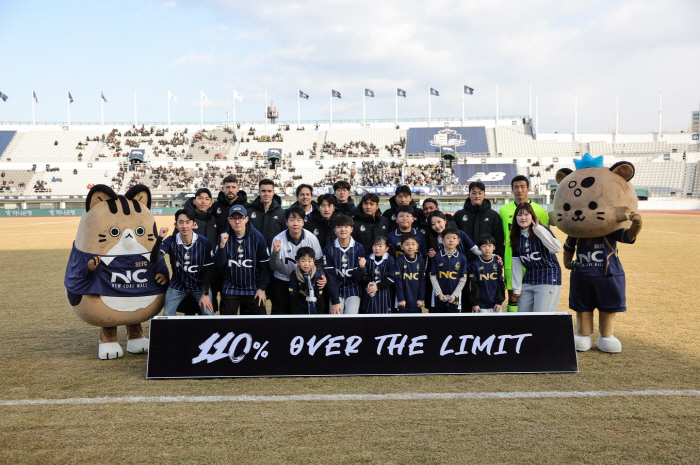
{"points": [[592, 49]]}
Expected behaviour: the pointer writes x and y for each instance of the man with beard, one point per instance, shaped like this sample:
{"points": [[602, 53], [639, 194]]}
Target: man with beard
{"points": [[229, 196]]}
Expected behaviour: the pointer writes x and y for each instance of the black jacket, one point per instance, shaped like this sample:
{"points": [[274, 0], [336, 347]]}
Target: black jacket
{"points": [[366, 228], [347, 208], [314, 207], [270, 223], [476, 220], [321, 228], [206, 222], [390, 213], [221, 207]]}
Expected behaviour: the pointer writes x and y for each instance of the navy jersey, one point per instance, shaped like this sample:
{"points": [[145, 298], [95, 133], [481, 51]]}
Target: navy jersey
{"points": [[246, 262], [395, 242], [541, 265], [383, 273], [489, 283], [343, 270], [188, 261], [299, 291], [448, 269], [464, 246], [598, 256], [410, 282]]}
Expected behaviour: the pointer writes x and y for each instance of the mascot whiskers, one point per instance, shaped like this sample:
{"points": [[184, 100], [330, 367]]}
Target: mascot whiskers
{"points": [[597, 208], [114, 275]]}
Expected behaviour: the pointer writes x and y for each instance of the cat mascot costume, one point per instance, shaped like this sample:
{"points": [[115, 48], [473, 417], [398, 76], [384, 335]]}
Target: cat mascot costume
{"points": [[114, 275], [597, 208]]}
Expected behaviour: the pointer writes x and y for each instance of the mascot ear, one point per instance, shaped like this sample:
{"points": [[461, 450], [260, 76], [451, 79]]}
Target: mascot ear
{"points": [[624, 169], [141, 194], [99, 193], [562, 173]]}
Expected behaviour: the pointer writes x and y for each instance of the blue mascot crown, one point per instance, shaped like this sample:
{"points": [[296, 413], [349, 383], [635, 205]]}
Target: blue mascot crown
{"points": [[589, 162]]}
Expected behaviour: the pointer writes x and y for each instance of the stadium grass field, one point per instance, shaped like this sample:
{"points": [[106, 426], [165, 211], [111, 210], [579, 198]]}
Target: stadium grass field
{"points": [[47, 353]]}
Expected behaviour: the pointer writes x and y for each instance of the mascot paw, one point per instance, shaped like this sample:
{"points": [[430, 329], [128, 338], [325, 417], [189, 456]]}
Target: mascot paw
{"points": [[583, 343], [609, 344], [137, 346], [161, 279], [110, 351], [92, 264]]}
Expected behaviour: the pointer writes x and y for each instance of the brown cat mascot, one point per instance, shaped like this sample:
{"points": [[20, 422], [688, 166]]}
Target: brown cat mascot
{"points": [[597, 208], [114, 275]]}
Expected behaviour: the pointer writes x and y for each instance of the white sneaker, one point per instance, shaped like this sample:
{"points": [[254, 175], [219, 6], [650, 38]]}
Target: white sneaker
{"points": [[137, 346], [110, 351], [583, 343], [609, 344]]}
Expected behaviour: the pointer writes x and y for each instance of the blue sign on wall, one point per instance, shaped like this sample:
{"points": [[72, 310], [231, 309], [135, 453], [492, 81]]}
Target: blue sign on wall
{"points": [[491, 175], [462, 140]]}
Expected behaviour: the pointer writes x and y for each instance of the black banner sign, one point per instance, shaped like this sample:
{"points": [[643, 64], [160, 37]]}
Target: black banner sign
{"points": [[354, 345]]}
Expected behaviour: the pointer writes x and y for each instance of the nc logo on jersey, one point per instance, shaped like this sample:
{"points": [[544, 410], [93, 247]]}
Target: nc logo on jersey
{"points": [[129, 279], [534, 256], [253, 215], [188, 269], [344, 273], [487, 177], [241, 263], [362, 228], [591, 257]]}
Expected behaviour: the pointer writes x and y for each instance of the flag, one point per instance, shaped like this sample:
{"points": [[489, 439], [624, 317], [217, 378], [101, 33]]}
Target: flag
{"points": [[103, 96], [34, 96], [303, 95], [400, 92], [335, 93], [70, 99], [172, 97], [3, 97], [434, 92], [202, 96], [468, 90], [369, 93], [237, 96]]}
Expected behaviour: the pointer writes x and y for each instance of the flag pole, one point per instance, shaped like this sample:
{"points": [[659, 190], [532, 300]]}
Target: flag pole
{"points": [[429, 109], [102, 105], [136, 113], [331, 125], [201, 109], [265, 113], [68, 100], [537, 115], [364, 113], [33, 118], [462, 105], [234, 107], [617, 115], [496, 104], [298, 109], [396, 95], [575, 116], [659, 117], [529, 99]]}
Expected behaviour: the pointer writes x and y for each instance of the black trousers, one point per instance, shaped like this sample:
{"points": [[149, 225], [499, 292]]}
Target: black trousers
{"points": [[278, 293], [248, 305]]}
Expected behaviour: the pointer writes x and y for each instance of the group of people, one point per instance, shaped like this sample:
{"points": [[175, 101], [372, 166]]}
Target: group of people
{"points": [[329, 255]]}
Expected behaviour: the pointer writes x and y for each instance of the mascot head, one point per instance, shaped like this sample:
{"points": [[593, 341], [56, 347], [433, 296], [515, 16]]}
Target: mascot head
{"points": [[593, 201], [121, 231]]}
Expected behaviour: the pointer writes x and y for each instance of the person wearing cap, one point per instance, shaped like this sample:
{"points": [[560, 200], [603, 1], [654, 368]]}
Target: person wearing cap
{"points": [[242, 256]]}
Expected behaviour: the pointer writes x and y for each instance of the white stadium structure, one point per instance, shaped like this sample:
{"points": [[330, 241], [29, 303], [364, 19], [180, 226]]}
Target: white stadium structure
{"points": [[51, 166]]}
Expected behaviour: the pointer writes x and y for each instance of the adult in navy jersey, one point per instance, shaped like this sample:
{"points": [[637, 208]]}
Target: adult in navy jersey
{"points": [[342, 264], [487, 285], [534, 247], [410, 277], [404, 220], [192, 264], [380, 277], [242, 256], [448, 274], [283, 258]]}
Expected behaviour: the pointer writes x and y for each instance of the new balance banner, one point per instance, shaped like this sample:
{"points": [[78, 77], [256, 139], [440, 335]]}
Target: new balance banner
{"points": [[357, 345], [498, 174]]}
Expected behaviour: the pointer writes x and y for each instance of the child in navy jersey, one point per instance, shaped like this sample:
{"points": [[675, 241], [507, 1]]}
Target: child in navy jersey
{"points": [[410, 277], [191, 259], [448, 275], [342, 265], [379, 280], [305, 291], [404, 221], [487, 286], [534, 247]]}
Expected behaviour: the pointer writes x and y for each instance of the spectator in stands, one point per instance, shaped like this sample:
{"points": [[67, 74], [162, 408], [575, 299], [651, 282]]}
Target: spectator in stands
{"points": [[369, 222], [321, 218], [304, 194], [346, 205], [478, 218], [229, 196], [402, 197], [266, 213]]}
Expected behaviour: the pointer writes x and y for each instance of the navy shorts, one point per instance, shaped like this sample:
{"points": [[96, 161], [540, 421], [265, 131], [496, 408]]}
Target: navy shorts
{"points": [[606, 293]]}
